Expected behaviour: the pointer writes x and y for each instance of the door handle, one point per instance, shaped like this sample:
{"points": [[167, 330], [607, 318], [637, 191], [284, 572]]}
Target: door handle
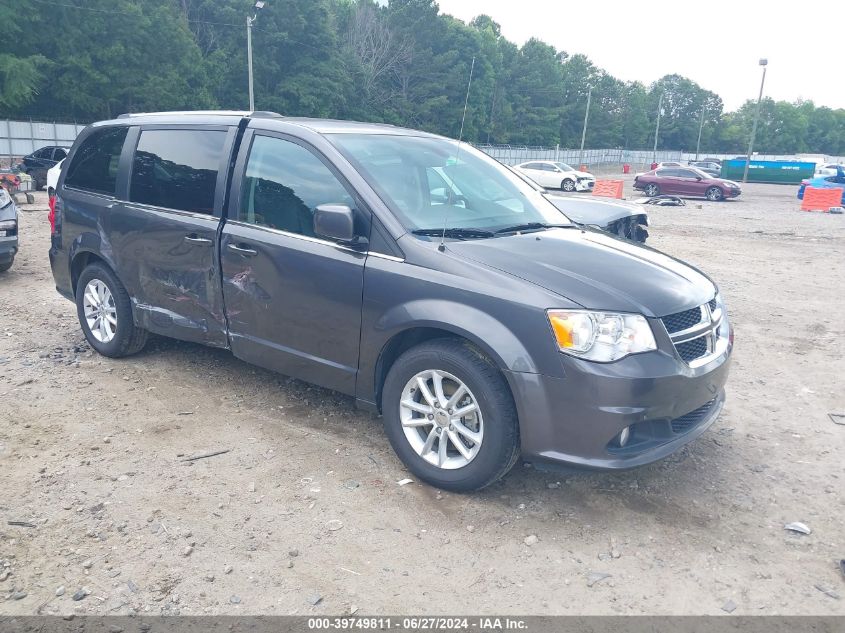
{"points": [[201, 241], [246, 252]]}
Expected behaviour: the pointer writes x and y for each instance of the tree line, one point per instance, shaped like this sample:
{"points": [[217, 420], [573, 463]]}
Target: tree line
{"points": [[404, 63]]}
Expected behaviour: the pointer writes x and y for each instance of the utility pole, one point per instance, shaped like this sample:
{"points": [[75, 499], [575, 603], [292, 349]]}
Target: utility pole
{"points": [[657, 128], [700, 127], [584, 132], [249, 22], [763, 62]]}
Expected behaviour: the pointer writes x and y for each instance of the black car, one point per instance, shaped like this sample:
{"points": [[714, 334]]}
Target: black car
{"points": [[617, 217], [408, 270], [40, 161]]}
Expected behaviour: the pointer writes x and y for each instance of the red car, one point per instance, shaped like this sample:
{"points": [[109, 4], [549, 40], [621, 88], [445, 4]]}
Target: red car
{"points": [[685, 181]]}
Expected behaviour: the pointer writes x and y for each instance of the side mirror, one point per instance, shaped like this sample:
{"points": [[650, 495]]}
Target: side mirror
{"points": [[334, 221], [699, 178]]}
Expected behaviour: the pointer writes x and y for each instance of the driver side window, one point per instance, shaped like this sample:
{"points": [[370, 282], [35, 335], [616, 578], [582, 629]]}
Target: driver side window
{"points": [[283, 185]]}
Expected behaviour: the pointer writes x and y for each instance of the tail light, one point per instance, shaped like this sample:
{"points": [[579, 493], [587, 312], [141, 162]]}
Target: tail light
{"points": [[52, 214]]}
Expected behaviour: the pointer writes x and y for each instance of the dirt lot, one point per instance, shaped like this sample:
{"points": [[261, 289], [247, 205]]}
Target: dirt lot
{"points": [[92, 449]]}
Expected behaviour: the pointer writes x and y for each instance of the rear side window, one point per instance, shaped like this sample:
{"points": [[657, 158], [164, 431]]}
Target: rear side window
{"points": [[94, 165], [177, 169]]}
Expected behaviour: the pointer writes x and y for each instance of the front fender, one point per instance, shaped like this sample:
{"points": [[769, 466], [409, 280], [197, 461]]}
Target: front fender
{"points": [[489, 334]]}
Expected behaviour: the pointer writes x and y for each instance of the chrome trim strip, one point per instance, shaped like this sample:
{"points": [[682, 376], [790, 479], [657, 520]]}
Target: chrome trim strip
{"points": [[693, 332], [314, 240], [391, 258]]}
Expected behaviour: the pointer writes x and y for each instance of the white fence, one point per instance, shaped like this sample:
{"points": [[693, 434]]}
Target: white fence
{"points": [[19, 138]]}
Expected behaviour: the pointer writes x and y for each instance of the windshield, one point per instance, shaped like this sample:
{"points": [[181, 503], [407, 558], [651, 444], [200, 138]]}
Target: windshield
{"points": [[429, 183], [565, 167]]}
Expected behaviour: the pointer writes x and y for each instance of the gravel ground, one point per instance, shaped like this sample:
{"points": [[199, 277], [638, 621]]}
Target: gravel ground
{"points": [[303, 514]]}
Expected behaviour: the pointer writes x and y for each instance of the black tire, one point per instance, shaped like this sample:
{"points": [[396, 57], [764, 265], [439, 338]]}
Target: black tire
{"points": [[652, 190], [128, 339], [568, 185], [6, 266], [715, 194], [499, 448]]}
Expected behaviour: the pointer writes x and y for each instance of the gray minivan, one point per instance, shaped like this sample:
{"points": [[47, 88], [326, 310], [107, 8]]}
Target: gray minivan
{"points": [[405, 269]]}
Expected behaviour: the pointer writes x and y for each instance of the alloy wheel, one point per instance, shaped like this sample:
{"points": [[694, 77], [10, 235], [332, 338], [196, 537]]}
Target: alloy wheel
{"points": [[441, 419], [100, 310]]}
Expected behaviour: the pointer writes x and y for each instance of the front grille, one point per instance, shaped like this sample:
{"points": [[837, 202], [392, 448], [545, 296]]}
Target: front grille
{"points": [[682, 320], [693, 418], [690, 350], [712, 304]]}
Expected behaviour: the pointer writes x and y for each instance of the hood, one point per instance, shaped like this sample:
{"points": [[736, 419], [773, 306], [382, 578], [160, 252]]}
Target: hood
{"points": [[597, 211], [594, 270], [580, 174]]}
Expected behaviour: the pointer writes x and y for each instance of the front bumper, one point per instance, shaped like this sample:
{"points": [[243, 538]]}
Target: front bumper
{"points": [[585, 185], [8, 248], [576, 419]]}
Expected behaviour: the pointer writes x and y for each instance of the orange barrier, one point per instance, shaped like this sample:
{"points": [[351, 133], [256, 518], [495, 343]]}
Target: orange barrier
{"points": [[817, 199], [608, 188]]}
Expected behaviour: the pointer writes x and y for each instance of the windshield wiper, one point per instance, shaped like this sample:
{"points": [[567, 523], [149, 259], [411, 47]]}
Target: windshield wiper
{"points": [[457, 233], [529, 226]]}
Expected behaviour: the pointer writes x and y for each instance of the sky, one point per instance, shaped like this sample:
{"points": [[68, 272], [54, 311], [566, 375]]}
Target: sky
{"points": [[716, 43]]}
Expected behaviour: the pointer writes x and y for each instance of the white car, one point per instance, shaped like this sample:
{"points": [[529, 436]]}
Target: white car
{"points": [[555, 175], [53, 177], [827, 169]]}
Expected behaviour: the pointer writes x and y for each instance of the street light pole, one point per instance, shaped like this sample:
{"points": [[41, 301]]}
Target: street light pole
{"points": [[700, 127], [763, 63], [657, 128], [249, 60], [249, 22], [584, 132]]}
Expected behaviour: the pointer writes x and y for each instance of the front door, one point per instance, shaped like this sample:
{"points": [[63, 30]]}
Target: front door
{"points": [[691, 183], [293, 299], [164, 237]]}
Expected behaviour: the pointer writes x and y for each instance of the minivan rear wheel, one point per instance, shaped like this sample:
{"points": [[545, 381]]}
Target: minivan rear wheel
{"points": [[450, 416], [105, 313]]}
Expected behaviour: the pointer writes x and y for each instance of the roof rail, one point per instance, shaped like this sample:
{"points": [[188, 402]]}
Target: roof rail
{"points": [[259, 114]]}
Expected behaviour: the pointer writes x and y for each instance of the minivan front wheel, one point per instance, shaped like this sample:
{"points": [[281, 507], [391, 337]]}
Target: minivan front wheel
{"points": [[105, 313], [449, 415]]}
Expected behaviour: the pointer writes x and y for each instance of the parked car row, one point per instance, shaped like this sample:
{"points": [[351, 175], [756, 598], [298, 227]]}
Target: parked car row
{"points": [[410, 271]]}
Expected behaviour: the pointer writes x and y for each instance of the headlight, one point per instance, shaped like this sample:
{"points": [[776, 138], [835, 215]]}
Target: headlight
{"points": [[5, 198], [601, 336], [7, 225]]}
